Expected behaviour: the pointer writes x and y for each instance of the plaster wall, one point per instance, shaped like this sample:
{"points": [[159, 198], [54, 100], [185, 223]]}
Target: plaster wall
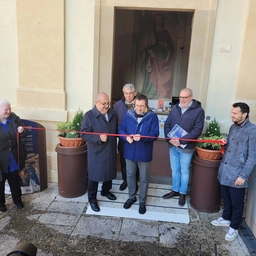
{"points": [[81, 43], [232, 61], [40, 29], [246, 84], [8, 51]]}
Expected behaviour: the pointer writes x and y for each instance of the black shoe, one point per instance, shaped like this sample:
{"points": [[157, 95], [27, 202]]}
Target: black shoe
{"points": [[19, 205], [95, 207], [2, 208], [123, 186], [142, 208], [110, 196], [171, 194], [182, 200], [129, 203]]}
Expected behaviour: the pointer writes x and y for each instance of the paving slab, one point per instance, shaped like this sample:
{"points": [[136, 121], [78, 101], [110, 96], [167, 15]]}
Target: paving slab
{"points": [[59, 226]]}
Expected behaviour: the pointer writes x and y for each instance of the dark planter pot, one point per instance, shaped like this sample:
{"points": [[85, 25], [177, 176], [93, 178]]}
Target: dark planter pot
{"points": [[72, 170], [205, 188]]}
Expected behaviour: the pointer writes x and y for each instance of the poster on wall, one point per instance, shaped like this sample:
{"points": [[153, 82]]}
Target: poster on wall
{"points": [[34, 175], [161, 119]]}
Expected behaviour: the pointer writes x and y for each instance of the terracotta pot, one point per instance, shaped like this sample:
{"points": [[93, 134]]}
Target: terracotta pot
{"points": [[208, 154], [71, 142]]}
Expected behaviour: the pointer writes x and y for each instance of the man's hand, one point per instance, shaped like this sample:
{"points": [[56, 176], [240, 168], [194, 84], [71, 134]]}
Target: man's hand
{"points": [[239, 181], [103, 137], [20, 129], [224, 141], [129, 138], [136, 137], [175, 142]]}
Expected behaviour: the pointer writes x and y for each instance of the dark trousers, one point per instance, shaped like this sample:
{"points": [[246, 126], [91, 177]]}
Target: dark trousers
{"points": [[121, 144], [93, 188], [233, 199], [14, 183]]}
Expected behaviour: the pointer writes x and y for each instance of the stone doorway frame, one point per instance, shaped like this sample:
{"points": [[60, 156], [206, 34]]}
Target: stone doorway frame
{"points": [[200, 48]]}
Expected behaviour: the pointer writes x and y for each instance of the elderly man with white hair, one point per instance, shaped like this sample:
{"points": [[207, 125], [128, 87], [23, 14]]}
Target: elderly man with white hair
{"points": [[11, 158]]}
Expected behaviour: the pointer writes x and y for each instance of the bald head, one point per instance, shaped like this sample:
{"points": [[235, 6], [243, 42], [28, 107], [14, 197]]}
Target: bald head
{"points": [[102, 102], [102, 96]]}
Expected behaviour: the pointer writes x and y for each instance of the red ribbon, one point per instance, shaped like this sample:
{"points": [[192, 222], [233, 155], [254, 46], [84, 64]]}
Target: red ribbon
{"points": [[125, 135]]}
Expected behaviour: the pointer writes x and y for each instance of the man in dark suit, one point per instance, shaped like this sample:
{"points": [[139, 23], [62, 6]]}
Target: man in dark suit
{"points": [[100, 120]]}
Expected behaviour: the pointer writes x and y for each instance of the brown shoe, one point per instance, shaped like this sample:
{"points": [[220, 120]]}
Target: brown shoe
{"points": [[182, 200], [171, 194]]}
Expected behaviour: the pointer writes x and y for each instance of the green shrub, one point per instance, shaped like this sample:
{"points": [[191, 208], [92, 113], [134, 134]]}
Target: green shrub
{"points": [[212, 133], [68, 129]]}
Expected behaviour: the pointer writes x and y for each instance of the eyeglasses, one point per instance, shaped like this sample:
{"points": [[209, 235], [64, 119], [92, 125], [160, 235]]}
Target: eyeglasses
{"points": [[105, 103], [181, 97], [129, 93]]}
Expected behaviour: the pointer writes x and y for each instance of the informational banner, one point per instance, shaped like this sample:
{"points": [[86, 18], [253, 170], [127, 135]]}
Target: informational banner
{"points": [[161, 119], [33, 177]]}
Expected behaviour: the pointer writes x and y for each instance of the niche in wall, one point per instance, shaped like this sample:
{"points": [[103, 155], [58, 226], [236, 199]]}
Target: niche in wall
{"points": [[151, 50]]}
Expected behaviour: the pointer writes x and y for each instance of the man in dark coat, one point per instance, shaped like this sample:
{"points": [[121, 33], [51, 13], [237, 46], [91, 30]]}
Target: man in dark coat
{"points": [[11, 159], [121, 107], [187, 118], [102, 151]]}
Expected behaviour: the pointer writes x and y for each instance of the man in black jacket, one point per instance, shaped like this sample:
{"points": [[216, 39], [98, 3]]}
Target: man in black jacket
{"points": [[121, 107], [10, 157]]}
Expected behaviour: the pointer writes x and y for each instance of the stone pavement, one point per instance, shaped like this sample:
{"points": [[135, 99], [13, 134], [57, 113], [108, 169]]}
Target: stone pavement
{"points": [[58, 226]]}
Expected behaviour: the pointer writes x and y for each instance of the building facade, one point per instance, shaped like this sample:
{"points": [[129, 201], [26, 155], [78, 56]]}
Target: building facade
{"points": [[56, 55]]}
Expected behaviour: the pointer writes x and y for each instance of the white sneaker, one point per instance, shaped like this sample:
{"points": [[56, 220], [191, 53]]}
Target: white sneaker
{"points": [[231, 235], [220, 222]]}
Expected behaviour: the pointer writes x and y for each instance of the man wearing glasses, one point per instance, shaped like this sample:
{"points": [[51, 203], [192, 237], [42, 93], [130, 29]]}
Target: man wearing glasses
{"points": [[185, 120], [142, 128], [121, 107], [100, 120]]}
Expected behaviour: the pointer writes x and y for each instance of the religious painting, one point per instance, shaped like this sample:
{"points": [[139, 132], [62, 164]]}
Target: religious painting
{"points": [[162, 50]]}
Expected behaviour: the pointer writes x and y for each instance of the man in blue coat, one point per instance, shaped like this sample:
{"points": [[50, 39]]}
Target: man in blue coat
{"points": [[100, 120], [142, 128], [188, 116], [235, 168]]}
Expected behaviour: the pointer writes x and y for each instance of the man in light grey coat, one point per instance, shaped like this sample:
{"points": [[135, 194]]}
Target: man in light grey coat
{"points": [[236, 166]]}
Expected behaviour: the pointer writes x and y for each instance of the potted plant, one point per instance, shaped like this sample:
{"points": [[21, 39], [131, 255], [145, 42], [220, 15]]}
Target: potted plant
{"points": [[205, 188], [69, 131], [208, 149], [71, 158]]}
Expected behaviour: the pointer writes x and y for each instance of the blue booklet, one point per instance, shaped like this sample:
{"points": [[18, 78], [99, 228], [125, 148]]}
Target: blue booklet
{"points": [[177, 132]]}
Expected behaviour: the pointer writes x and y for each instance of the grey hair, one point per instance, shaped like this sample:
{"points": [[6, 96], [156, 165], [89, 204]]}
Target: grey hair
{"points": [[5, 102], [100, 95], [188, 89], [129, 86]]}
